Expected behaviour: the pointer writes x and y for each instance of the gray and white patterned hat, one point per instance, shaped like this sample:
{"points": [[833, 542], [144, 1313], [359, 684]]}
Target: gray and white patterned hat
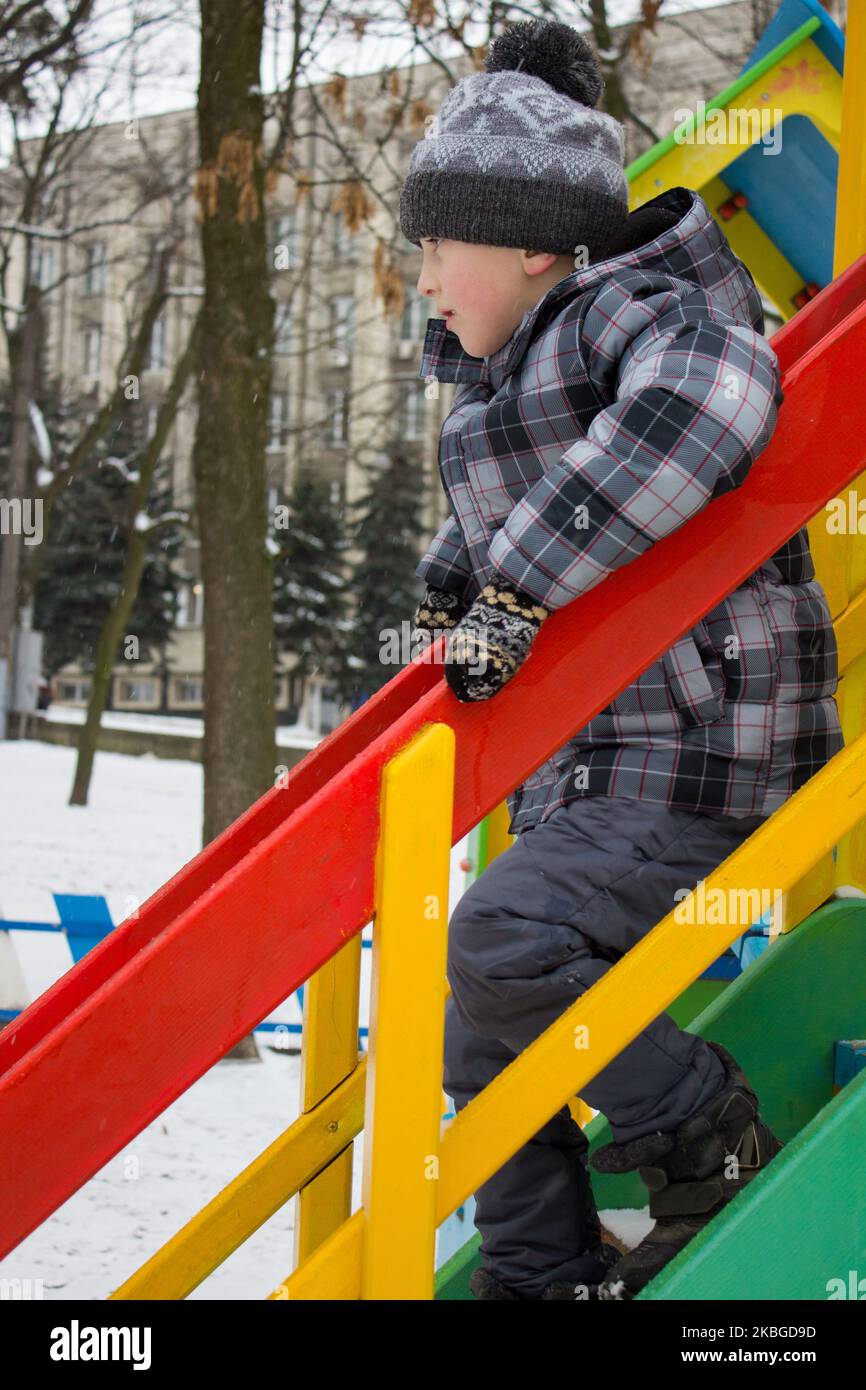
{"points": [[517, 156]]}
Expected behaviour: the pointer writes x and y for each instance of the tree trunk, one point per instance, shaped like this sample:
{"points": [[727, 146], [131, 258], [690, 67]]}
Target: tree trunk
{"points": [[234, 389], [106, 649]]}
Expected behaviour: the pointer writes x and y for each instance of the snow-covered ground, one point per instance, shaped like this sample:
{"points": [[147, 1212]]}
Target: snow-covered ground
{"points": [[142, 824], [187, 725]]}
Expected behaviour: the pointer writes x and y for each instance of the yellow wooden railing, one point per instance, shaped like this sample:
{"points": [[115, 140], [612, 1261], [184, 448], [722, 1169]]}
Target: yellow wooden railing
{"points": [[414, 1176], [559, 1063]]}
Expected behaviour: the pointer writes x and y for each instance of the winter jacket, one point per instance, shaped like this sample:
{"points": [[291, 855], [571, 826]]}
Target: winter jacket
{"points": [[634, 392]]}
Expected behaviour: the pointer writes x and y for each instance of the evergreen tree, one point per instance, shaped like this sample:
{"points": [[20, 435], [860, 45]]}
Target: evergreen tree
{"points": [[85, 553], [384, 585], [310, 601]]}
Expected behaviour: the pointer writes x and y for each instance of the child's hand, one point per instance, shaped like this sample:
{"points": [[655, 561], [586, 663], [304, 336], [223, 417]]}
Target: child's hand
{"points": [[492, 641], [438, 611]]}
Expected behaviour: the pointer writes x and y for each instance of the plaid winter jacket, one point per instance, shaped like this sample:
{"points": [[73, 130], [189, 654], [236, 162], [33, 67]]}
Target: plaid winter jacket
{"points": [[632, 394]]}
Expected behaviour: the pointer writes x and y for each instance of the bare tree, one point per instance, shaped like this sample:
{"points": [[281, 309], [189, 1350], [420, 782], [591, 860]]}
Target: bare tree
{"points": [[141, 531], [35, 36]]}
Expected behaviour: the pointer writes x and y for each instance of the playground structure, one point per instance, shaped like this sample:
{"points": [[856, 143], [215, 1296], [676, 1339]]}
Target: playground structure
{"points": [[777, 212], [372, 813]]}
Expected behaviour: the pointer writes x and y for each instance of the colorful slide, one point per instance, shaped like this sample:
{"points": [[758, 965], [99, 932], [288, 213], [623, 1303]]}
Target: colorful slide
{"points": [[764, 154]]}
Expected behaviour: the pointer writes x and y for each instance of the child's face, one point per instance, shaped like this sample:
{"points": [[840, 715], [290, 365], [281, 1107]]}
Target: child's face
{"points": [[489, 288]]}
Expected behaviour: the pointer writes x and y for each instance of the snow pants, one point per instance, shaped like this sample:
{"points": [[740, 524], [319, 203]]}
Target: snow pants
{"points": [[541, 925]]}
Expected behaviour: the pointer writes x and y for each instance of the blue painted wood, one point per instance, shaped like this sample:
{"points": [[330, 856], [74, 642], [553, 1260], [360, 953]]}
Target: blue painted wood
{"points": [[789, 16], [849, 1059], [85, 919]]}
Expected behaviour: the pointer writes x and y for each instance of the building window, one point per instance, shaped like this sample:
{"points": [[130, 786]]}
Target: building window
{"points": [[41, 265], [74, 692], [278, 420], [283, 335], [336, 430], [137, 690], [92, 351], [190, 612], [344, 244], [413, 323], [156, 352], [342, 327], [187, 690], [94, 268], [412, 410], [283, 241]]}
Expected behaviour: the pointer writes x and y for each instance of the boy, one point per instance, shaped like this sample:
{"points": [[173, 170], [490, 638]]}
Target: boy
{"points": [[613, 380]]}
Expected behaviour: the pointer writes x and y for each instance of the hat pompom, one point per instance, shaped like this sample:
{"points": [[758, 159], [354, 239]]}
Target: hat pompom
{"points": [[552, 51]]}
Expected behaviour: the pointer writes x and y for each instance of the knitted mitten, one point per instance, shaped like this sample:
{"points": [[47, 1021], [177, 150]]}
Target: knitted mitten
{"points": [[439, 611], [492, 641]]}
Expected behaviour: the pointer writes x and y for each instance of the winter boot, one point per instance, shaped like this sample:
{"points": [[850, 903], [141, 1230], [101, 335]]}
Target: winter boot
{"points": [[691, 1174], [486, 1286]]}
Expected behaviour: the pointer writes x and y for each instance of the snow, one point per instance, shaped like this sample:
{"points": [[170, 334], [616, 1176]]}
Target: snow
{"points": [[303, 592], [143, 522], [122, 468], [616, 1291], [142, 824], [189, 726], [40, 434], [628, 1224], [314, 542]]}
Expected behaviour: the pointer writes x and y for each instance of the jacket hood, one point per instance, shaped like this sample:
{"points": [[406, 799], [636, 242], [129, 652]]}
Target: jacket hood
{"points": [[674, 233]]}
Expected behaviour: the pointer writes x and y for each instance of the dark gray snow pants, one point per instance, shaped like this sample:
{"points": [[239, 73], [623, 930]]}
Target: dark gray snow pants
{"points": [[542, 923]]}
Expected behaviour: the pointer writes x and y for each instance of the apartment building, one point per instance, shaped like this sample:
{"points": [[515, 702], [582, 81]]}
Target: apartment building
{"points": [[331, 404]]}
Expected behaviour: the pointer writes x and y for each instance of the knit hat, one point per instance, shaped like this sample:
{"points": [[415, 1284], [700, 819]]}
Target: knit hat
{"points": [[517, 156]]}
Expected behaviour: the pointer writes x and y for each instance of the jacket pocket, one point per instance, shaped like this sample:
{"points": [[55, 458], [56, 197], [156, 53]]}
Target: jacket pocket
{"points": [[696, 689]]}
